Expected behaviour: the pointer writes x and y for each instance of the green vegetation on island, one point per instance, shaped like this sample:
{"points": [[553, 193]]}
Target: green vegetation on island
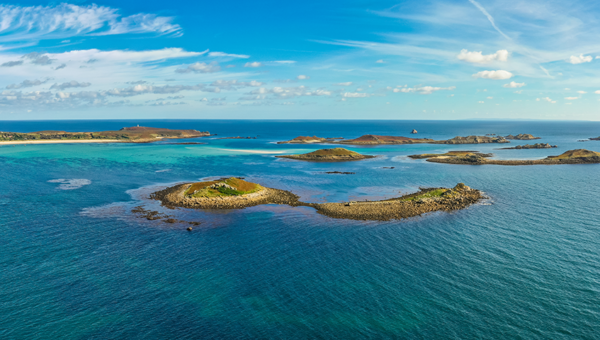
{"points": [[222, 188], [136, 134], [336, 154]]}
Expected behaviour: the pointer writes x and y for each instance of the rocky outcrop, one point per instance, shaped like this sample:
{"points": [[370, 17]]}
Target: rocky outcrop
{"points": [[451, 154], [534, 146], [378, 139], [309, 140], [474, 140], [424, 201], [522, 136], [579, 156], [329, 155], [414, 131]]}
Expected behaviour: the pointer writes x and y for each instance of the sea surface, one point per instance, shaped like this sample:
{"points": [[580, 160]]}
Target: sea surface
{"points": [[76, 263]]}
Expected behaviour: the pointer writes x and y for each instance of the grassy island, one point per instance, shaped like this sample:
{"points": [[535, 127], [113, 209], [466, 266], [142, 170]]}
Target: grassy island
{"points": [[579, 156], [235, 193], [136, 134], [329, 155]]}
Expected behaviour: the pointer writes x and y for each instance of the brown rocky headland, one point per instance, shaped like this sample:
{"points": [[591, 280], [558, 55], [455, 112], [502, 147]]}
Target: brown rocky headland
{"points": [[234, 193], [329, 155], [578, 156]]}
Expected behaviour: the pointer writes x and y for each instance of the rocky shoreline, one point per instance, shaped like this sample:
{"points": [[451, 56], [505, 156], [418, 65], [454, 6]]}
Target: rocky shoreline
{"points": [[532, 146], [579, 156], [424, 201]]}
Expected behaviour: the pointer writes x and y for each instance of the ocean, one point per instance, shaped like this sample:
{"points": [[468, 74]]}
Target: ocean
{"points": [[76, 263]]}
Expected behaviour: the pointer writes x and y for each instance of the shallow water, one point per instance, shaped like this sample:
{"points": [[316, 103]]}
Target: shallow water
{"points": [[77, 263]]}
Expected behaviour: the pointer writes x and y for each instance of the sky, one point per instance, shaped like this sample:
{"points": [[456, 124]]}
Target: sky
{"points": [[352, 59]]}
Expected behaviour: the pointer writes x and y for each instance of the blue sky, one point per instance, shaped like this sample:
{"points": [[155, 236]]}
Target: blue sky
{"points": [[466, 59]]}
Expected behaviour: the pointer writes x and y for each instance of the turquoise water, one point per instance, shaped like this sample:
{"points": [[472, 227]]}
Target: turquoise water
{"points": [[77, 264]]}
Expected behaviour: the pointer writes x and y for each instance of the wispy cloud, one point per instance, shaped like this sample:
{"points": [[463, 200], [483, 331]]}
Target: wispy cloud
{"points": [[19, 23]]}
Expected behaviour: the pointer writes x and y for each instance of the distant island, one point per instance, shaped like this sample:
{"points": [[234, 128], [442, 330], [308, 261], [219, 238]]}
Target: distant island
{"points": [[378, 139], [522, 136], [136, 134], [579, 156], [236, 193], [534, 146], [310, 140], [329, 155]]}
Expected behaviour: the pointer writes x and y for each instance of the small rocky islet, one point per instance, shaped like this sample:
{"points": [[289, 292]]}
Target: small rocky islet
{"points": [[532, 146], [329, 155], [236, 193], [578, 156], [371, 139]]}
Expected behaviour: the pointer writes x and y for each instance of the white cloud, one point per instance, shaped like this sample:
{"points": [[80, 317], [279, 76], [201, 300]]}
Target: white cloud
{"points": [[481, 102], [380, 61], [480, 58], [571, 98], [253, 64], [519, 92], [200, 68], [579, 60], [285, 61], [597, 92], [513, 85], [68, 20], [348, 83], [498, 75], [423, 89], [581, 92], [302, 77], [223, 54], [354, 95], [490, 97], [546, 99]]}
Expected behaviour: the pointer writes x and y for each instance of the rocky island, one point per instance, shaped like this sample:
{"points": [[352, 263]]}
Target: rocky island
{"points": [[378, 140], [136, 134], [329, 155], [579, 156], [451, 154], [534, 146], [235, 193], [310, 140], [522, 136]]}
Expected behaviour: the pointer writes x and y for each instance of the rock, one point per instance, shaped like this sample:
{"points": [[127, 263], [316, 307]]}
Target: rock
{"points": [[189, 228], [414, 131]]}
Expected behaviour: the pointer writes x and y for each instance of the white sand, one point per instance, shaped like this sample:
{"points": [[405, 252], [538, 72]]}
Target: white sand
{"points": [[254, 151]]}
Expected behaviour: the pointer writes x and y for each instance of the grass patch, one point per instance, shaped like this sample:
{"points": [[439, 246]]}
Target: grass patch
{"points": [[430, 194], [237, 187]]}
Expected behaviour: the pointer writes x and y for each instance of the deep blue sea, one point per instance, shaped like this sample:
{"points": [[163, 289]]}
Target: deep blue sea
{"points": [[76, 263]]}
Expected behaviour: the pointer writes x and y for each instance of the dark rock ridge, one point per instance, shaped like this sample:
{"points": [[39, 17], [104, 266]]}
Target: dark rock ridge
{"points": [[534, 146], [329, 155], [424, 201]]}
